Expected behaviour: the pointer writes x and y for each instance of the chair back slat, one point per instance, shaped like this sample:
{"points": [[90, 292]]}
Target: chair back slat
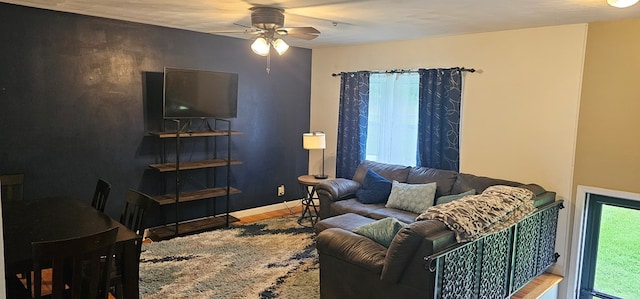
{"points": [[100, 195], [133, 215], [90, 258]]}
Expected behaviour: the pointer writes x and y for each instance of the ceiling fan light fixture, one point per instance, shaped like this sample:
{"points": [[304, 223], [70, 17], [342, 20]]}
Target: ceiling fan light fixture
{"points": [[280, 46], [622, 3], [260, 46]]}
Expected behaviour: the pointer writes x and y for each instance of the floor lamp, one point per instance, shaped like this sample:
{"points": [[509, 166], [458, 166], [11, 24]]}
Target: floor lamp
{"points": [[315, 140]]}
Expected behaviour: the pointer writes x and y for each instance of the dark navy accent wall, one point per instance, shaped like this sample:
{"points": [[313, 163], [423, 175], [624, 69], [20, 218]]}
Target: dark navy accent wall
{"points": [[78, 95]]}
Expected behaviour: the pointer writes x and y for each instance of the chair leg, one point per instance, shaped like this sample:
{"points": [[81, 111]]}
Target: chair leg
{"points": [[119, 294], [15, 289], [27, 277], [116, 288]]}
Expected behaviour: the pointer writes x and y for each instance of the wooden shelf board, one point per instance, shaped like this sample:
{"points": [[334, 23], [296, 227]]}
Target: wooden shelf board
{"points": [[165, 167], [189, 227], [168, 199], [194, 134]]}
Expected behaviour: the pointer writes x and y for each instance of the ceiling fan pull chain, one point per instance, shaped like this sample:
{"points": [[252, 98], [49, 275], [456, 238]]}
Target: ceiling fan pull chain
{"points": [[269, 62]]}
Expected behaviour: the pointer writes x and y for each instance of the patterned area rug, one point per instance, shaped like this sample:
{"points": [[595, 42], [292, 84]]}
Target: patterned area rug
{"points": [[275, 258]]}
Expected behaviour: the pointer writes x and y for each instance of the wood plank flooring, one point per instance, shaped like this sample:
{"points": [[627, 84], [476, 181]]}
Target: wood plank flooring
{"points": [[538, 286]]}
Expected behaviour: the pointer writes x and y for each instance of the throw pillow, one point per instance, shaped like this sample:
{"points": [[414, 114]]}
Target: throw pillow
{"points": [[415, 198], [382, 231], [375, 189], [449, 198]]}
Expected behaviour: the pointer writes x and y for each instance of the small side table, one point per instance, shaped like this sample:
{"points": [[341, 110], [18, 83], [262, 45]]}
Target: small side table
{"points": [[308, 185]]}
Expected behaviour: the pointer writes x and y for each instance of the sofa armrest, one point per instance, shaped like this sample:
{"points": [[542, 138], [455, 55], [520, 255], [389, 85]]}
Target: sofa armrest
{"points": [[337, 189], [351, 248], [542, 196], [334, 190], [411, 245]]}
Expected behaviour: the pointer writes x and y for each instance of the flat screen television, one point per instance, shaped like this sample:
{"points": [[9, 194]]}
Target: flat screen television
{"points": [[199, 94]]}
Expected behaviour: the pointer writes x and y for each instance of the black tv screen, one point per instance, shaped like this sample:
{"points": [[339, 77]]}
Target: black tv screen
{"points": [[200, 94]]}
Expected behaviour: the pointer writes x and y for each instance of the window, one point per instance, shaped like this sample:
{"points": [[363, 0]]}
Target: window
{"points": [[392, 131], [610, 266]]}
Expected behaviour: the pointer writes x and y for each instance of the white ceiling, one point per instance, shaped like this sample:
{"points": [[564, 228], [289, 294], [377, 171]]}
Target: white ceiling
{"points": [[343, 22]]}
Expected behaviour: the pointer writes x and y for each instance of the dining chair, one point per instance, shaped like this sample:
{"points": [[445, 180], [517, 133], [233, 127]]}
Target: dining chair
{"points": [[134, 212], [84, 262], [100, 195], [12, 186], [133, 217]]}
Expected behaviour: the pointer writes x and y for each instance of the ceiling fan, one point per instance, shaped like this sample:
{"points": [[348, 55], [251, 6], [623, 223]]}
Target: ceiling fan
{"points": [[267, 24]]}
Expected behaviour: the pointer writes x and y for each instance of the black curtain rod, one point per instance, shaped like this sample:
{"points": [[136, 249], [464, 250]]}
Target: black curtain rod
{"points": [[462, 69]]}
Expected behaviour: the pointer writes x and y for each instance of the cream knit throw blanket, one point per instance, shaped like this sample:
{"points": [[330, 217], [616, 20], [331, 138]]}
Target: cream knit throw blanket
{"points": [[474, 216]]}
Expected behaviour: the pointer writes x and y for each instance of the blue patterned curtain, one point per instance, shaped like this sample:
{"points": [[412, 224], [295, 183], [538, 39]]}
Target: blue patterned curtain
{"points": [[352, 122], [439, 118]]}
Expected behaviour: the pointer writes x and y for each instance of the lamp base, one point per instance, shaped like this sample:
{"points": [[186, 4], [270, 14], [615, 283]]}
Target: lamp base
{"points": [[320, 176]]}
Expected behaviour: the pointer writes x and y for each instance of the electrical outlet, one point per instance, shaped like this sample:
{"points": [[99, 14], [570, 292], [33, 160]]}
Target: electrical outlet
{"points": [[281, 190]]}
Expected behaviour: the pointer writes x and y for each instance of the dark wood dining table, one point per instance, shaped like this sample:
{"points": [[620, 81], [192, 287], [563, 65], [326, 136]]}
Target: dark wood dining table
{"points": [[26, 221]]}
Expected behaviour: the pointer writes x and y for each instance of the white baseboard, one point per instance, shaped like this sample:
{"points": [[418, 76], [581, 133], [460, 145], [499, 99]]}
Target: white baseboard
{"points": [[259, 210]]}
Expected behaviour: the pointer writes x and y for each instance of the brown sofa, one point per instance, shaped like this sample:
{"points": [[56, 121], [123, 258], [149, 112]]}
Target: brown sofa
{"points": [[424, 260]]}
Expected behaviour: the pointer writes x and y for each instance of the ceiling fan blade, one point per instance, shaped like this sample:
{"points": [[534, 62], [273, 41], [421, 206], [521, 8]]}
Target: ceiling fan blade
{"points": [[307, 33], [244, 31], [243, 25]]}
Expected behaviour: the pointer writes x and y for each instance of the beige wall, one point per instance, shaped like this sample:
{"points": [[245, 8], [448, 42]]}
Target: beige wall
{"points": [[608, 144], [520, 109], [607, 148]]}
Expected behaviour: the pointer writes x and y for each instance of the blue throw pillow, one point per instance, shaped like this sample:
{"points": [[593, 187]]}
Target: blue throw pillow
{"points": [[375, 189]]}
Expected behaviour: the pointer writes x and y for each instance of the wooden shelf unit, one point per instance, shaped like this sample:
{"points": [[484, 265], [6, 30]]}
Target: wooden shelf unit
{"points": [[182, 227]]}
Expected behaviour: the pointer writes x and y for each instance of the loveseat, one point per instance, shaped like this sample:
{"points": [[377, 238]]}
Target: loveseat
{"points": [[424, 258]]}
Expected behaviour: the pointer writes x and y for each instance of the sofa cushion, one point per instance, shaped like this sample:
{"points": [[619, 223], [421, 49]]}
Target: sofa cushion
{"points": [[444, 178], [465, 182], [375, 189], [402, 215], [348, 221], [382, 231], [352, 205], [415, 198], [388, 171], [449, 198]]}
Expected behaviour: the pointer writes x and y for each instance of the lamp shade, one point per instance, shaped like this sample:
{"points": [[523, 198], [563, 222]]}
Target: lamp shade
{"points": [[313, 140], [622, 3], [260, 46], [280, 46]]}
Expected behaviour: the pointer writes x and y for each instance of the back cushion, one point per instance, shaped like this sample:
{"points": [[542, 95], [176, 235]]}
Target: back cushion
{"points": [[388, 171], [444, 178], [466, 182]]}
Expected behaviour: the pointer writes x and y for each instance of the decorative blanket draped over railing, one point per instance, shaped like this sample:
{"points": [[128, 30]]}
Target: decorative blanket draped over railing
{"points": [[474, 216]]}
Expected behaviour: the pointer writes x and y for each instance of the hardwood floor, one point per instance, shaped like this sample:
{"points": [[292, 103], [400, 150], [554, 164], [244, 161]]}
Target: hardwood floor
{"points": [[538, 286], [295, 210]]}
